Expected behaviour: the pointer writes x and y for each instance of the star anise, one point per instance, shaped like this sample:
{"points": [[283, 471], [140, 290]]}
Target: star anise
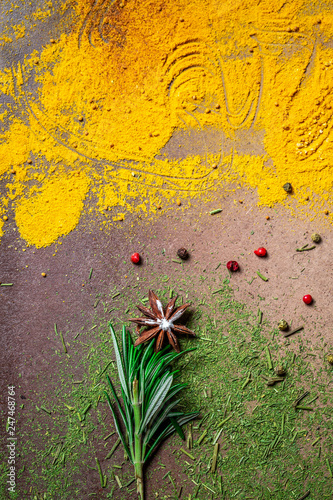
{"points": [[159, 323]]}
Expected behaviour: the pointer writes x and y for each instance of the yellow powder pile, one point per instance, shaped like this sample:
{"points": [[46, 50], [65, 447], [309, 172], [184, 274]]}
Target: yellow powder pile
{"points": [[48, 219], [112, 92]]}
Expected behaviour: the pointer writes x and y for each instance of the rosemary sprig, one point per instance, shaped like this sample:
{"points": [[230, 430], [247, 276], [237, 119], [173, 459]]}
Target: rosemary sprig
{"points": [[149, 411]]}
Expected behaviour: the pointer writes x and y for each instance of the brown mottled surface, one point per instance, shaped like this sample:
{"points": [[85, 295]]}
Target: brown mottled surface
{"points": [[31, 307], [33, 304]]}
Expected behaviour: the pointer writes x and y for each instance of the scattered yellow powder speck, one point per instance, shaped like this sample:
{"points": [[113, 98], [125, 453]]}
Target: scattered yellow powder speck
{"points": [[19, 30], [5, 39], [40, 15]]}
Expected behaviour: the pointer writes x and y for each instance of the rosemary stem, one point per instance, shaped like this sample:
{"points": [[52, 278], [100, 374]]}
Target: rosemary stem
{"points": [[138, 465]]}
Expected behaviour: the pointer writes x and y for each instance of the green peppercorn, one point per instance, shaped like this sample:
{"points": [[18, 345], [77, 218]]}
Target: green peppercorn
{"points": [[316, 237], [280, 370], [330, 359], [288, 187], [283, 325]]}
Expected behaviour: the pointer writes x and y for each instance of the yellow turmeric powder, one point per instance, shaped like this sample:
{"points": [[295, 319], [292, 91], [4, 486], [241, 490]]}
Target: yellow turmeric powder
{"points": [[48, 221], [113, 92]]}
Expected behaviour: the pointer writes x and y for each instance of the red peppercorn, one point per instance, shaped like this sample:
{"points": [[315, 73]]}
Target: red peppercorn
{"points": [[135, 258], [307, 299], [261, 252], [232, 265]]}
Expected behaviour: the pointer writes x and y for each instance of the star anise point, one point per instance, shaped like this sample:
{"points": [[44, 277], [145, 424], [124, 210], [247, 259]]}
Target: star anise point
{"points": [[159, 323]]}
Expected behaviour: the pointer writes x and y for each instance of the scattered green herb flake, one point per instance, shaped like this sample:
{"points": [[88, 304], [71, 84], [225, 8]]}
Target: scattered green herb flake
{"points": [[262, 276], [118, 481], [105, 368], [312, 400], [57, 453], [208, 488], [87, 408], [61, 337], [225, 420], [303, 497], [269, 358], [131, 481], [296, 330], [71, 408], [260, 313], [214, 460], [202, 437], [187, 453], [305, 248], [44, 409], [113, 449], [247, 381]]}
